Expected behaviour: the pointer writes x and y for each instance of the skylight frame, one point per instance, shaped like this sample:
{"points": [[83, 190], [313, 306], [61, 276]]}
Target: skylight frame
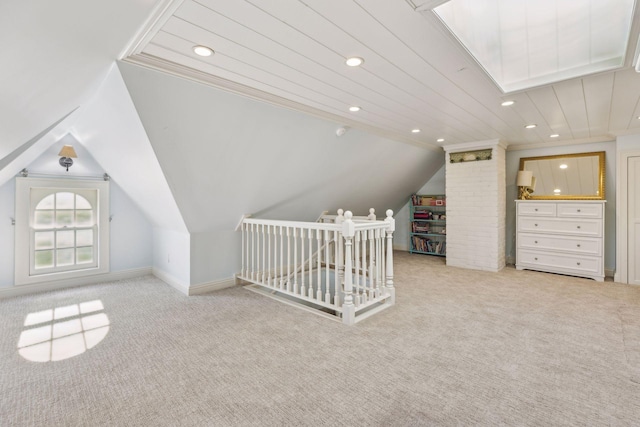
{"points": [[478, 11]]}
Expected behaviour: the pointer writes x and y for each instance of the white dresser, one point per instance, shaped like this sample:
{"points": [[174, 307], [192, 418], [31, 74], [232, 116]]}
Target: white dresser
{"points": [[563, 236]]}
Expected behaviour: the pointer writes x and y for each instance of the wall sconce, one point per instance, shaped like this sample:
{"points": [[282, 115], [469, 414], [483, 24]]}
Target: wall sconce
{"points": [[524, 181], [67, 154]]}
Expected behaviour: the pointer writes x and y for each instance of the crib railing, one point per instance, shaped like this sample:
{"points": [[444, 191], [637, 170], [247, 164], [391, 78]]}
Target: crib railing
{"points": [[341, 266]]}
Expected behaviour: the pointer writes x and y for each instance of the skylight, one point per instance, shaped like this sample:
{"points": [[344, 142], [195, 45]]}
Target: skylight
{"points": [[527, 43]]}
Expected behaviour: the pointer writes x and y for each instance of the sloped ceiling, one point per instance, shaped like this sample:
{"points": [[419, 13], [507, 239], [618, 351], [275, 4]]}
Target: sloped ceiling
{"points": [[109, 127], [225, 155], [415, 74], [55, 54]]}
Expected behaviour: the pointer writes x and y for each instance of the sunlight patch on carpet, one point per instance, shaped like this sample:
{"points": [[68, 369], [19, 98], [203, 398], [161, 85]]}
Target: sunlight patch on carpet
{"points": [[63, 332]]}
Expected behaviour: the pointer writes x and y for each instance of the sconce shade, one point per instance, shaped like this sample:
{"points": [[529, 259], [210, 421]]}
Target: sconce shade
{"points": [[68, 151], [524, 178]]}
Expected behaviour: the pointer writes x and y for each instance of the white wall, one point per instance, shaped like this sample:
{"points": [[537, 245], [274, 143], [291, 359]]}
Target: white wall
{"points": [[435, 185], [7, 259], [172, 257], [225, 155], [513, 164], [628, 143], [216, 255], [130, 231], [476, 209], [111, 130]]}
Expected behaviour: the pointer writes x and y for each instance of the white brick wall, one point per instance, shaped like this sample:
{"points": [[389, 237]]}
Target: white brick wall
{"points": [[476, 205]]}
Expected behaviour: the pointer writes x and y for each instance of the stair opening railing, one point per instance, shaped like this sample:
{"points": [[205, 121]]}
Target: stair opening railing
{"points": [[340, 265]]}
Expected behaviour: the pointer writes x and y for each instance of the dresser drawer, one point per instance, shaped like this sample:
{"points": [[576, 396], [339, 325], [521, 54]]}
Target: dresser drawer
{"points": [[579, 210], [576, 227], [560, 263], [536, 209], [566, 244]]}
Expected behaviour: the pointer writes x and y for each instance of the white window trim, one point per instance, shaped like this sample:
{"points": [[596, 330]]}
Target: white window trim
{"points": [[23, 228]]}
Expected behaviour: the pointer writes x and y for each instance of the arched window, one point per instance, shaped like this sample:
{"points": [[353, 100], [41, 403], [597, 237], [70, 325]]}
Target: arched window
{"points": [[62, 229]]}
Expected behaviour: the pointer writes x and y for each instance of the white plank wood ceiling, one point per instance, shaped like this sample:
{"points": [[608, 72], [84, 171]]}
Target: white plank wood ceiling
{"points": [[415, 74]]}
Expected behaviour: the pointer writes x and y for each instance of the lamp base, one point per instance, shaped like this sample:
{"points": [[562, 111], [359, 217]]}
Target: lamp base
{"points": [[65, 162], [523, 193]]}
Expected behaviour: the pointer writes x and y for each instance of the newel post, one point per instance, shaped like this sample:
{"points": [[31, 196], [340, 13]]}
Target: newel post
{"points": [[348, 308], [372, 215], [391, 227]]}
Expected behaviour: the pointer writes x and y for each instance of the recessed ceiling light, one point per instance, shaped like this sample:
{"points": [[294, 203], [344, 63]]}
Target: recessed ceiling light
{"points": [[203, 50], [563, 166], [354, 61], [638, 117], [440, 140], [354, 108], [557, 191], [508, 103], [555, 135], [531, 126], [415, 130]]}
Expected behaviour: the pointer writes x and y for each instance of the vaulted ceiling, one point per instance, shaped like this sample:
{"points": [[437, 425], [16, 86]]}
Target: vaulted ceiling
{"points": [[292, 53], [415, 74]]}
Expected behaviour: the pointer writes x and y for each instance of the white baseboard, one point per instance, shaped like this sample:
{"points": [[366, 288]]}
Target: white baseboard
{"points": [[170, 280], [19, 290], [203, 288], [200, 288]]}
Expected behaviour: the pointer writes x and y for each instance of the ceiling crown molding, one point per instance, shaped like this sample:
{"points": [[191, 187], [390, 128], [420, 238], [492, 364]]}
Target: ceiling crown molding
{"points": [[177, 70], [422, 5], [160, 15]]}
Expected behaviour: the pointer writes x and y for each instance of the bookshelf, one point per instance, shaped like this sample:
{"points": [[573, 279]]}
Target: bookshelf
{"points": [[427, 224]]}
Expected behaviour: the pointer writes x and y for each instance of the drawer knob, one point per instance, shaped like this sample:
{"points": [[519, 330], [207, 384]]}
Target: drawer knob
{"points": [[578, 227], [536, 259], [578, 263], [536, 209], [578, 210], [535, 225], [578, 244], [536, 242]]}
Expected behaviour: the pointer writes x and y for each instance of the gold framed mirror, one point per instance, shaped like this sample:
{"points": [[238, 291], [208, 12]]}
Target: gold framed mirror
{"points": [[577, 176]]}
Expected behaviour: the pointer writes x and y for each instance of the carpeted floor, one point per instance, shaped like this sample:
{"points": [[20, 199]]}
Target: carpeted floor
{"points": [[461, 347]]}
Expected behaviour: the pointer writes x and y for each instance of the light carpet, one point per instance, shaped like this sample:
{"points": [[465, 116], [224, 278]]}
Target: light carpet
{"points": [[461, 347]]}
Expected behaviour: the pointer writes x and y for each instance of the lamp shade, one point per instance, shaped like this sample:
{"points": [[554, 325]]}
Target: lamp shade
{"points": [[524, 178], [68, 151]]}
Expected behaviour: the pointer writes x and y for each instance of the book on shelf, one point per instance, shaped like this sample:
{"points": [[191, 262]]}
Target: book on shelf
{"points": [[420, 227], [422, 244], [418, 200], [428, 216], [423, 215]]}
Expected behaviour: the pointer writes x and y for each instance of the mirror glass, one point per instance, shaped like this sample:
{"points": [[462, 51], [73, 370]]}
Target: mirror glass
{"points": [[570, 176]]}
